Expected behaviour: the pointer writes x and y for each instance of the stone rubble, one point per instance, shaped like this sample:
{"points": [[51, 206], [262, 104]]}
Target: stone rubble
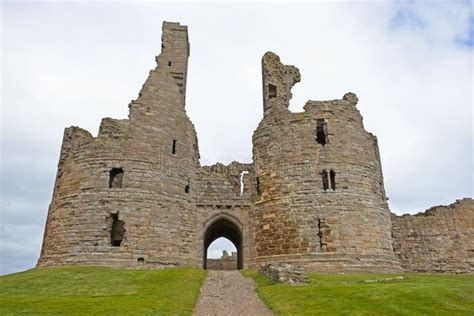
{"points": [[284, 272]]}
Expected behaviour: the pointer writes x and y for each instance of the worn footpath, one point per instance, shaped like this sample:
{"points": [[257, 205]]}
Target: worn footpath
{"points": [[229, 293]]}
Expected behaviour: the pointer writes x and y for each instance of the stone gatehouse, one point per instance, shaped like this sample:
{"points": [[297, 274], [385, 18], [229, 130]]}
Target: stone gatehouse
{"points": [[136, 195]]}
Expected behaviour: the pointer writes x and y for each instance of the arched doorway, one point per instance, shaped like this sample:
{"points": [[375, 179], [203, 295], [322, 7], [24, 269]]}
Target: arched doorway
{"points": [[227, 228]]}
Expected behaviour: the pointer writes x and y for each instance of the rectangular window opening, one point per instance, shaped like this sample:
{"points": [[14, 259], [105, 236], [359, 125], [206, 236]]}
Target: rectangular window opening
{"points": [[324, 175], [320, 235], [321, 135], [173, 150], [116, 178], [169, 63], [117, 231], [187, 187], [272, 91], [242, 184], [257, 187], [332, 175]]}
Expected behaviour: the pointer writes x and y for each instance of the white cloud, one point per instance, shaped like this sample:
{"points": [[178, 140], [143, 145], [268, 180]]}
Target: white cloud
{"points": [[218, 246], [72, 64]]}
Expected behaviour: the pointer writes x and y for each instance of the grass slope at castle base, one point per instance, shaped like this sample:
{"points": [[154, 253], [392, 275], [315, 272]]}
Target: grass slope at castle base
{"points": [[349, 294], [104, 291]]}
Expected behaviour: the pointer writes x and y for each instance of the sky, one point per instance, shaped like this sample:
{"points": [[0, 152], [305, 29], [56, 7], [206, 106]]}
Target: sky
{"points": [[72, 63]]}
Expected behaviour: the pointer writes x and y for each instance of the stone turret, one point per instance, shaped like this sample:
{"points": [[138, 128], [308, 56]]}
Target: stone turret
{"points": [[127, 195], [278, 79], [320, 198], [175, 52]]}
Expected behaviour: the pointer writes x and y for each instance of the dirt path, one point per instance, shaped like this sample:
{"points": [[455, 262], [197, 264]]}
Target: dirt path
{"points": [[229, 293]]}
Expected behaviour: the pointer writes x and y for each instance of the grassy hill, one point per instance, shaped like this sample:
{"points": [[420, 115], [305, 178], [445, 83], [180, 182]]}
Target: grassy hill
{"points": [[107, 291], [348, 294], [104, 291]]}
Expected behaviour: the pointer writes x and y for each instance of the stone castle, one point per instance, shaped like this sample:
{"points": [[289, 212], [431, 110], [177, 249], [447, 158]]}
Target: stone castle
{"points": [[136, 195], [225, 262]]}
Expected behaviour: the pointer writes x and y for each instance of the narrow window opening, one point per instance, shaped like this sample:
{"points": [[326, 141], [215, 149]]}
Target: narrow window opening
{"points": [[115, 178], [258, 185], [324, 175], [117, 232], [332, 175], [169, 63], [321, 135], [141, 261], [320, 235], [186, 189], [324, 234], [242, 173], [272, 91], [173, 150]]}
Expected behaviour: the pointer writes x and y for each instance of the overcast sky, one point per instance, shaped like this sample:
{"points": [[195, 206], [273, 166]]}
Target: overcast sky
{"points": [[63, 64]]}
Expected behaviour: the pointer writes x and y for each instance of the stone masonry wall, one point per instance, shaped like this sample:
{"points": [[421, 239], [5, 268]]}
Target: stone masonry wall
{"points": [[439, 240], [156, 150], [225, 262], [136, 194], [344, 227], [224, 193]]}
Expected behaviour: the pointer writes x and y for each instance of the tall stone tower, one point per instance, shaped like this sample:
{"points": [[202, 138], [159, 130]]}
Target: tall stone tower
{"points": [[136, 195], [126, 195], [321, 199]]}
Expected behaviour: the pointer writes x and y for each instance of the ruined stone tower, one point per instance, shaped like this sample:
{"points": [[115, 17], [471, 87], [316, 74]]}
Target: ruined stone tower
{"points": [[322, 199], [132, 179], [136, 194]]}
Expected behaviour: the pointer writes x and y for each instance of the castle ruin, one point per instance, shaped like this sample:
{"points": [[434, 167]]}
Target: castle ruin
{"points": [[225, 262], [137, 196]]}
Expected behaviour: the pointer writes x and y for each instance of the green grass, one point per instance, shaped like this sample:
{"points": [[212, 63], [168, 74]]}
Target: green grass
{"points": [[100, 291], [347, 294]]}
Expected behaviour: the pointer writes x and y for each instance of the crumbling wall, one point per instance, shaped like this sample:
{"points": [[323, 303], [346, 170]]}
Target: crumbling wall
{"points": [[156, 155], [439, 240], [224, 191], [321, 201], [136, 194], [113, 130], [220, 184], [225, 262]]}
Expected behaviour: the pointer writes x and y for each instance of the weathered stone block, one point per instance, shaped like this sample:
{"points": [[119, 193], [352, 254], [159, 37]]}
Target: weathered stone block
{"points": [[284, 272]]}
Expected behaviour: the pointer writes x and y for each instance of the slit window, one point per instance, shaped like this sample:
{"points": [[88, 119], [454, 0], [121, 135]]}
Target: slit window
{"points": [[117, 232], [242, 181], [186, 188], [332, 176], [272, 91], [320, 235], [324, 175], [173, 149], [169, 63], [257, 186], [115, 178], [321, 135]]}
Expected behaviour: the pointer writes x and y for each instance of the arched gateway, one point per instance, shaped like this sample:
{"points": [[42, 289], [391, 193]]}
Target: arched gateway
{"points": [[227, 227]]}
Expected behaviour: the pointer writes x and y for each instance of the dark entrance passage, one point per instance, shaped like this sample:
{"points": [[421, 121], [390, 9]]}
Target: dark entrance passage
{"points": [[224, 227]]}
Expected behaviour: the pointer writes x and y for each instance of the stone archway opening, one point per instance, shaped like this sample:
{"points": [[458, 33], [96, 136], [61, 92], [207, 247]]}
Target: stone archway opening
{"points": [[225, 228], [222, 255]]}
